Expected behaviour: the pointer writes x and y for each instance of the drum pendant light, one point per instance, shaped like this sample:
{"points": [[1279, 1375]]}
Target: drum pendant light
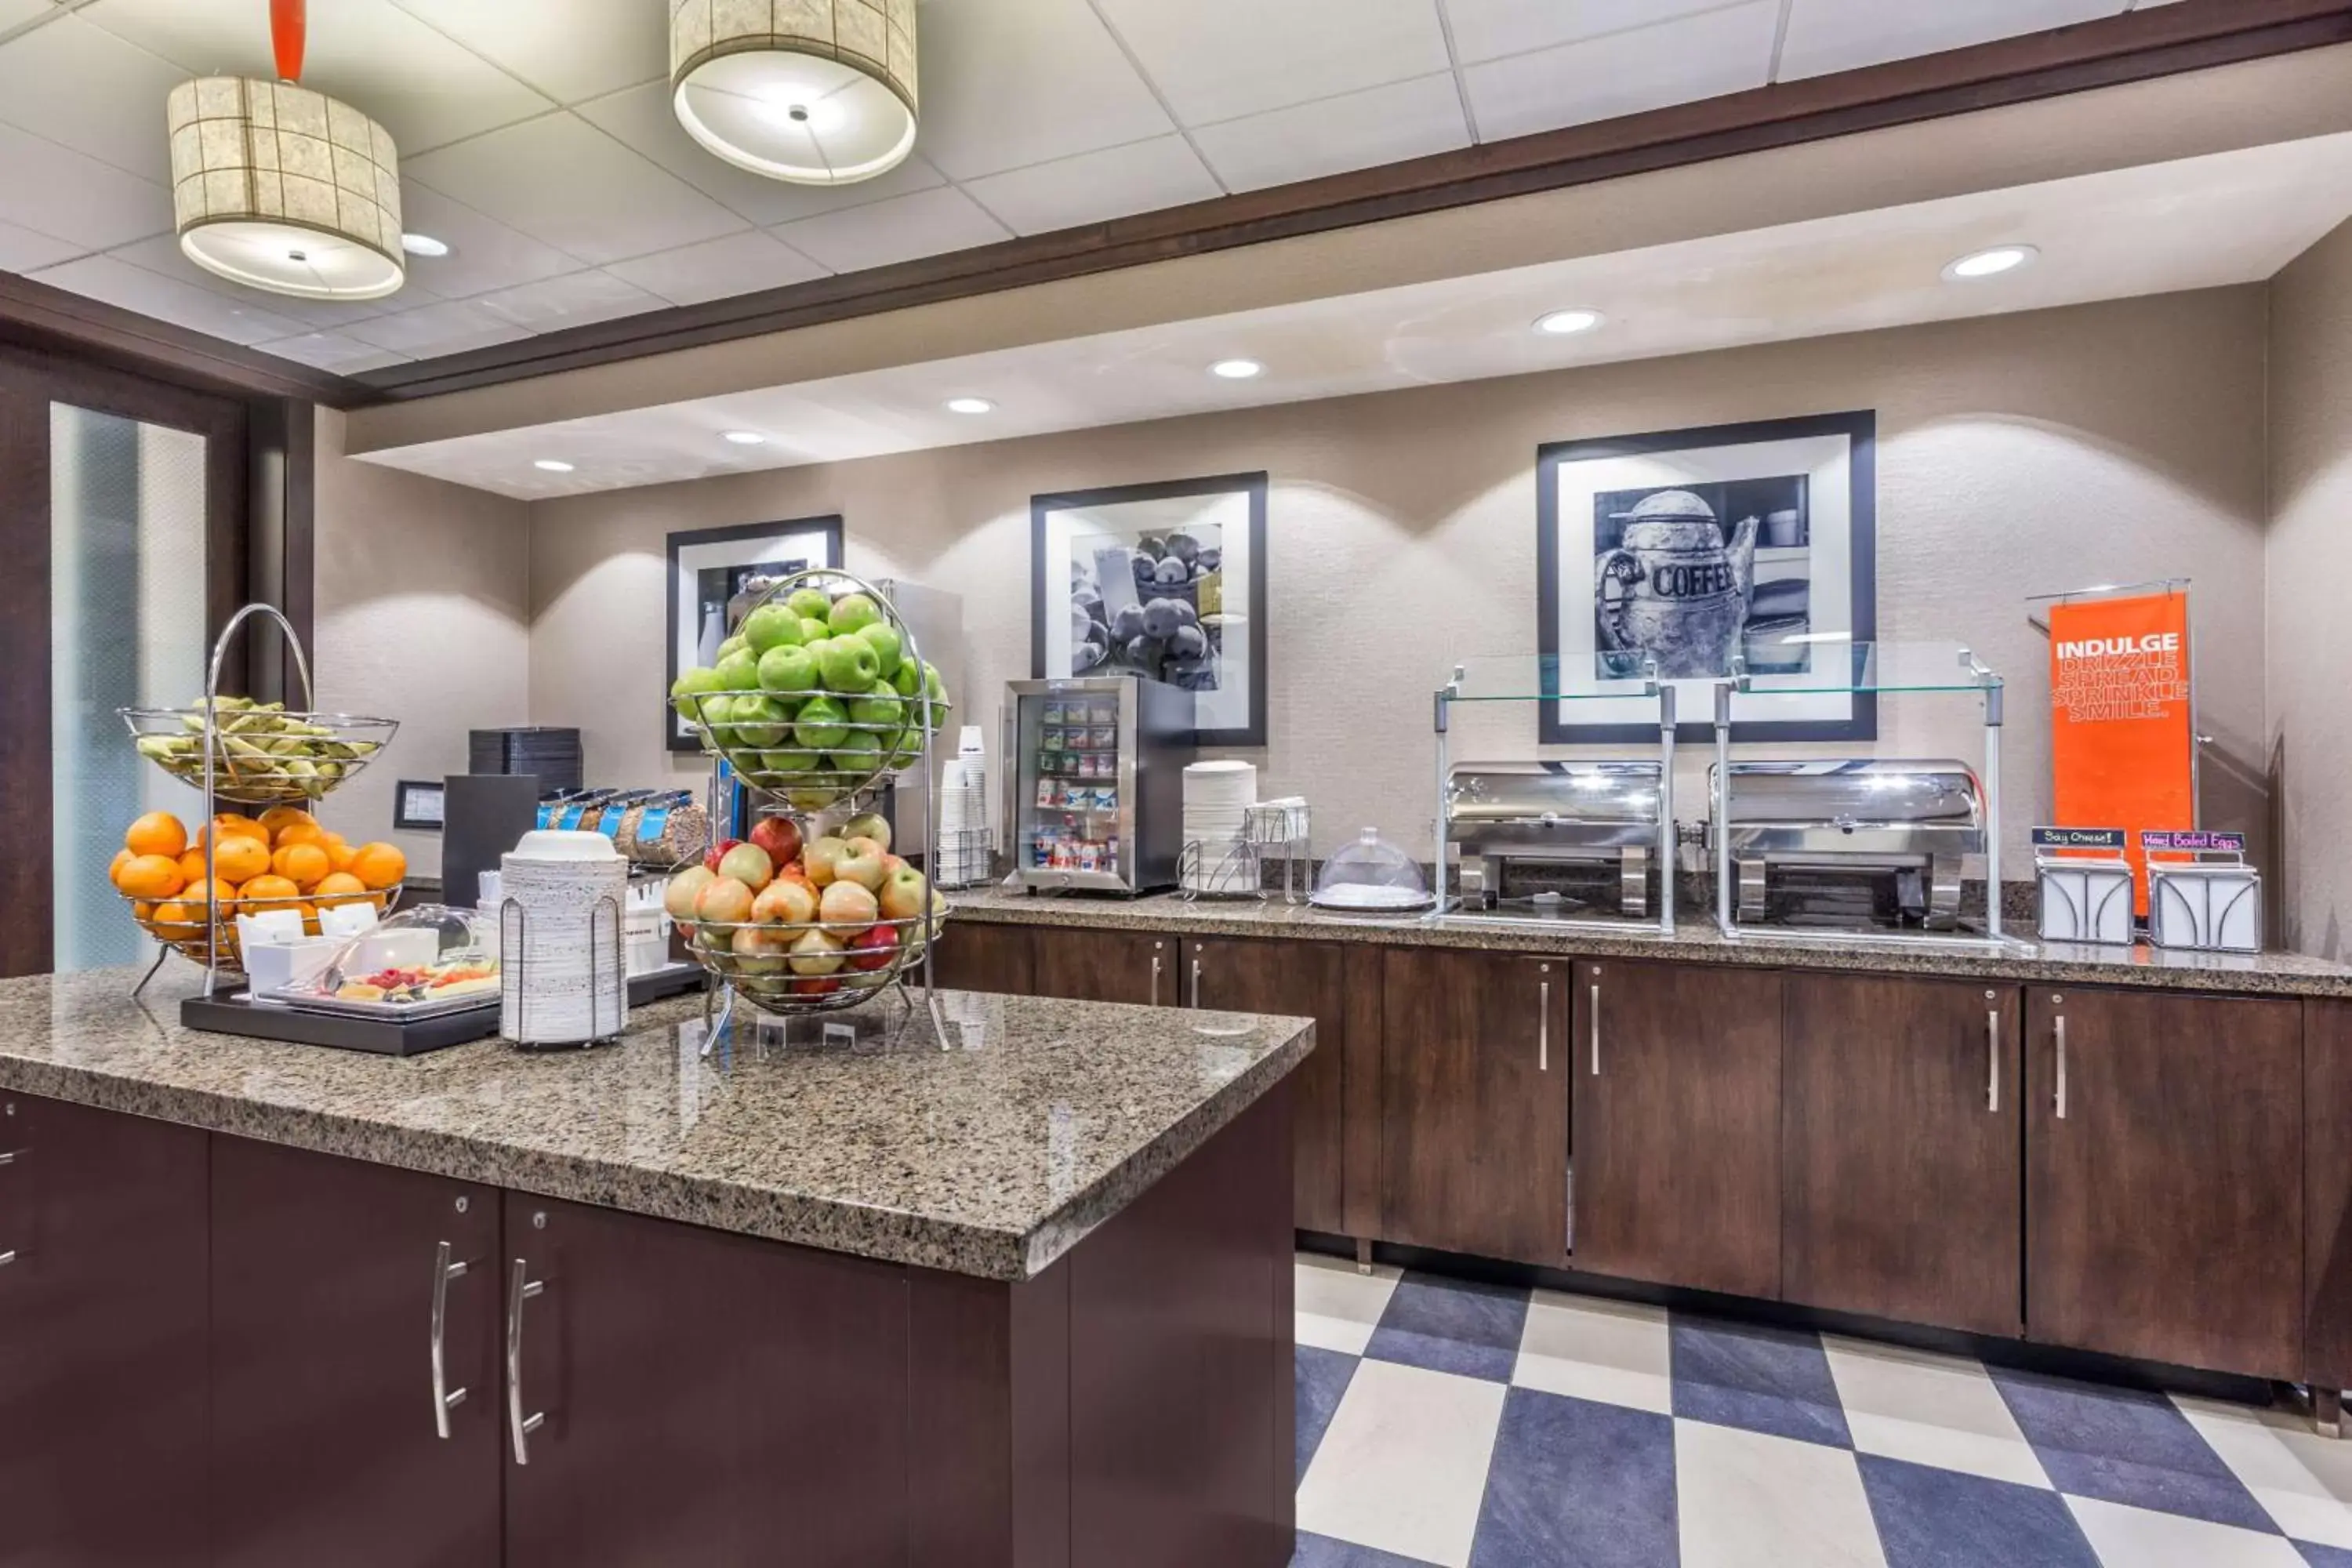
{"points": [[281, 188], [816, 93]]}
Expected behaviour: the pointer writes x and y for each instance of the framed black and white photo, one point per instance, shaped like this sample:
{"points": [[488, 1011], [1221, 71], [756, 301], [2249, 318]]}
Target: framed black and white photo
{"points": [[716, 574], [1162, 581], [1686, 548]]}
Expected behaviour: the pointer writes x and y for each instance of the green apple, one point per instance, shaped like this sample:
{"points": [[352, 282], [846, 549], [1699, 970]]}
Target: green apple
{"points": [[858, 751], [787, 666], [739, 671], [849, 663], [879, 709], [770, 625], [888, 648], [813, 631], [718, 714], [820, 726], [736, 644], [908, 679], [792, 761], [906, 746], [760, 721], [851, 612], [689, 685], [809, 603], [937, 690]]}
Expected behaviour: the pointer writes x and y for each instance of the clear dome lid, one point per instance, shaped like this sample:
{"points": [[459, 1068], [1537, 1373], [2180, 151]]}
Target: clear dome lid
{"points": [[429, 953], [1371, 874]]}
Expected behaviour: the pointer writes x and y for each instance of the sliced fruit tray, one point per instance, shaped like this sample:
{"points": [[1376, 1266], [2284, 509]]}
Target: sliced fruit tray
{"points": [[262, 755]]}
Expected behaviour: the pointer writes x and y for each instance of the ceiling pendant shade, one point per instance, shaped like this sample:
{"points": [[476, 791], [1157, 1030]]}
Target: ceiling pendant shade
{"points": [[816, 93]]}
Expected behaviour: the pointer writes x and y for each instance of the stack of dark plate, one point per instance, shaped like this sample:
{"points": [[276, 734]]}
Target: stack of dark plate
{"points": [[548, 754]]}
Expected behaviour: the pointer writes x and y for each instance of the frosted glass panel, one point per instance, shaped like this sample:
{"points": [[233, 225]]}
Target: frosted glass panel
{"points": [[126, 630]]}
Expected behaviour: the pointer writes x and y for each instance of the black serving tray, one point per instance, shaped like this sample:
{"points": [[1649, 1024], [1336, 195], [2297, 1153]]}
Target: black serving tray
{"points": [[228, 1014]]}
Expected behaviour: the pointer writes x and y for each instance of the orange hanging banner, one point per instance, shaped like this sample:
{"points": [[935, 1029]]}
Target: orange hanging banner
{"points": [[2121, 751]]}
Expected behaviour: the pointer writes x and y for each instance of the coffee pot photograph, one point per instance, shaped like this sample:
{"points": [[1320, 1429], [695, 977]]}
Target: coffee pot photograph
{"points": [[1675, 589]]}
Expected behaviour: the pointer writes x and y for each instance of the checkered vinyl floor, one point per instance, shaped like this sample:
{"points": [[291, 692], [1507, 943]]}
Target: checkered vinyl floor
{"points": [[1450, 1423]]}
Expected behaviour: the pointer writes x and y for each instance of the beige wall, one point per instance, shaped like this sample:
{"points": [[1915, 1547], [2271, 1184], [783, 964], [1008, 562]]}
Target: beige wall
{"points": [[2017, 455], [421, 615], [2310, 636]]}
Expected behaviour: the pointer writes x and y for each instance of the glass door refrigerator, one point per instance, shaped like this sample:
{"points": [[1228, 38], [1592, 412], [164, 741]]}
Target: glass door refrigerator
{"points": [[1095, 782]]}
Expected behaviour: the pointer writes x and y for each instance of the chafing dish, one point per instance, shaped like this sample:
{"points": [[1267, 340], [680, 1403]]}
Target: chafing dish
{"points": [[1918, 819], [1505, 813]]}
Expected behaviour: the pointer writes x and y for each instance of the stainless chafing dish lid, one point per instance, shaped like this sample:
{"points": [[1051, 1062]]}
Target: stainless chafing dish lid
{"points": [[1906, 790], [1563, 793]]}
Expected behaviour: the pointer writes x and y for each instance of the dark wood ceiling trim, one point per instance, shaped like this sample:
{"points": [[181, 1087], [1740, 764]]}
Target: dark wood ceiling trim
{"points": [[40, 315], [2137, 47]]}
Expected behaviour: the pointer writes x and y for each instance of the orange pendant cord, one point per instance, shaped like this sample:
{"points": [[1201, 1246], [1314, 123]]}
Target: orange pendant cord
{"points": [[289, 29]]}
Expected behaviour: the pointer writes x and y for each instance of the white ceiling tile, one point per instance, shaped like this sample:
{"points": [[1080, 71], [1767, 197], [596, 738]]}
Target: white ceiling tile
{"points": [[1380, 125], [900, 229], [22, 250], [118, 282], [1096, 186], [484, 254], [561, 181], [18, 12], [1031, 80], [333, 352], [161, 253], [739, 264], [641, 119], [57, 191], [451, 327], [568, 49], [421, 85], [1220, 60], [79, 85], [1625, 73], [572, 300], [1841, 34], [1488, 29]]}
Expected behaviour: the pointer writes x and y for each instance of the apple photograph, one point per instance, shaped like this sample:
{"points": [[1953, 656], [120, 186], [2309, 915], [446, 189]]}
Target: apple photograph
{"points": [[1166, 582], [716, 574], [1698, 554]]}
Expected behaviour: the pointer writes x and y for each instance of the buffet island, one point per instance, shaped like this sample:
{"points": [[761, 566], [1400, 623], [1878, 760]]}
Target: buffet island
{"points": [[832, 1290]]}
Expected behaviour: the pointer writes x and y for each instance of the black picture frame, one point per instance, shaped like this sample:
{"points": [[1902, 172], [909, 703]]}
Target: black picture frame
{"points": [[1696, 722], [409, 810], [1254, 487], [701, 550]]}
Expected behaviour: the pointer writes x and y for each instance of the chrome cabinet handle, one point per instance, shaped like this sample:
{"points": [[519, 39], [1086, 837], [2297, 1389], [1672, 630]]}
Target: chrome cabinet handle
{"points": [[1196, 981], [522, 1289], [7, 1258], [1543, 1027], [1992, 1061], [1155, 974], [2061, 1067], [1596, 1028], [445, 1398]]}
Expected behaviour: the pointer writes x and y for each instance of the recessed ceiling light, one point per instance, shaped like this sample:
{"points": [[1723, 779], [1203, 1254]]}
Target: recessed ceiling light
{"points": [[1560, 323], [1990, 263], [1236, 369], [424, 245], [552, 464], [744, 438], [969, 405]]}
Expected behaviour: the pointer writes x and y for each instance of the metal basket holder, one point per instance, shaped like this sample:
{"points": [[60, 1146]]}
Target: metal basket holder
{"points": [[717, 1030], [212, 737], [1238, 870], [967, 846], [512, 963]]}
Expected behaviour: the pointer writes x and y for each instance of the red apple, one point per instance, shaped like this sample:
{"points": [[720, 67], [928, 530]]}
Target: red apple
{"points": [[815, 986], [814, 951], [723, 899], [780, 836], [747, 864], [679, 895], [903, 894], [861, 862], [787, 900], [715, 852], [758, 951], [869, 825], [846, 908], [820, 859], [873, 948]]}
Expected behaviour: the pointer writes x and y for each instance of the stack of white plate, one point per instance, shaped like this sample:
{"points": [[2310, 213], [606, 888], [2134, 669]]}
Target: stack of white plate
{"points": [[964, 815], [560, 936], [1217, 798]]}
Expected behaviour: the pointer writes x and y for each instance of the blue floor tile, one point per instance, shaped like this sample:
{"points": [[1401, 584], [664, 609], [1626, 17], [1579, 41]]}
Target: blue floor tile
{"points": [[1322, 1551], [1323, 1378], [1452, 1325], [1941, 1518], [2320, 1556], [2126, 1445], [1576, 1482], [1762, 1379]]}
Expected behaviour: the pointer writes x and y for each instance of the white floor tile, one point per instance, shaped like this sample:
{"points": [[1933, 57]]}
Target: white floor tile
{"points": [[1402, 1466], [1614, 1353], [2127, 1536], [2302, 1478], [1338, 1307], [1747, 1500], [1929, 1409]]}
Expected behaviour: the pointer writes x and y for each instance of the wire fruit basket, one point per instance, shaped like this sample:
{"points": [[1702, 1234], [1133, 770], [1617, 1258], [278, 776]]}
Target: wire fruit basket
{"points": [[179, 923]]}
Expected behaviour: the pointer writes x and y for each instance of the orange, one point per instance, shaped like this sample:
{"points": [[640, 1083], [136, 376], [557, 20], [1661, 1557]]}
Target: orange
{"points": [[114, 868], [277, 816], [309, 919], [235, 828], [238, 859], [303, 831], [378, 866], [157, 833], [338, 887], [149, 877], [191, 866], [179, 920], [300, 864], [142, 912], [338, 853], [266, 887]]}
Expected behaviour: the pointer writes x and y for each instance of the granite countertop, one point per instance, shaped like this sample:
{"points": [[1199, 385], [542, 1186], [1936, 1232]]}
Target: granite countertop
{"points": [[993, 1158], [1697, 940]]}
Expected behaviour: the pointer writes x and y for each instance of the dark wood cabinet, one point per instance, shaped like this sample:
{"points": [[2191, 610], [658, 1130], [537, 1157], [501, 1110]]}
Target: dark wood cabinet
{"points": [[1109, 966], [2327, 1159], [699, 1396], [977, 956], [338, 1287], [1296, 979], [102, 1356], [1677, 1145], [2164, 1177], [1900, 1149], [1475, 1063]]}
